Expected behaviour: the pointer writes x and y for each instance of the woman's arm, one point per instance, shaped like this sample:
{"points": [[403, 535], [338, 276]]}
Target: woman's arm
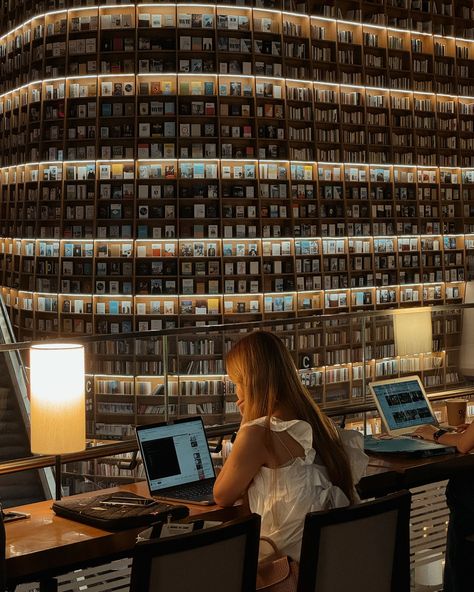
{"points": [[463, 441], [248, 454]]}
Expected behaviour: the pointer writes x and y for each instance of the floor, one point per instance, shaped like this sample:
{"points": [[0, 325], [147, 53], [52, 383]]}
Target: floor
{"points": [[114, 577]]}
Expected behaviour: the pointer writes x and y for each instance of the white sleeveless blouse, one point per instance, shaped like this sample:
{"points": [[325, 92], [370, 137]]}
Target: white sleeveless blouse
{"points": [[283, 496]]}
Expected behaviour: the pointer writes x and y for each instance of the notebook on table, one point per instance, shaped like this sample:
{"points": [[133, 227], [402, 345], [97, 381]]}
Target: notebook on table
{"points": [[403, 407], [405, 446], [177, 461]]}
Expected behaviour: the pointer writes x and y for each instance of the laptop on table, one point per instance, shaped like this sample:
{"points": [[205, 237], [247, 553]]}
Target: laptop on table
{"points": [[403, 407], [177, 461]]}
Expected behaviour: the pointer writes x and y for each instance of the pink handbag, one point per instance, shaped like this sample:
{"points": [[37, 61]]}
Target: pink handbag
{"points": [[277, 573]]}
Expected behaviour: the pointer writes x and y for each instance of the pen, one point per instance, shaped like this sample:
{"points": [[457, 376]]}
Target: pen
{"points": [[130, 499], [125, 503]]}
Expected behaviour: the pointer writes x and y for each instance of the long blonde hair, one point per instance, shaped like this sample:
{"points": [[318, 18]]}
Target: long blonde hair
{"points": [[268, 377]]}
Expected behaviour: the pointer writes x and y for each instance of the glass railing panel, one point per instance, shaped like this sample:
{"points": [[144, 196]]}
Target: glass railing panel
{"points": [[337, 369], [102, 472], [200, 381], [123, 374], [15, 423], [149, 379], [437, 363]]}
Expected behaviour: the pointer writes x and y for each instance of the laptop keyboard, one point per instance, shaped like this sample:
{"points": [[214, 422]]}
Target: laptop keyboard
{"points": [[193, 491]]}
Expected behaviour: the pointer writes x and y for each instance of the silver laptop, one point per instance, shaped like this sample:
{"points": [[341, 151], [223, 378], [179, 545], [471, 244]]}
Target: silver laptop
{"points": [[402, 404], [177, 461]]}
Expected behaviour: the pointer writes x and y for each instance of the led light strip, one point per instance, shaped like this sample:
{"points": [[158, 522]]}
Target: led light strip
{"points": [[271, 79], [259, 10], [256, 162], [223, 7], [467, 235], [233, 296]]}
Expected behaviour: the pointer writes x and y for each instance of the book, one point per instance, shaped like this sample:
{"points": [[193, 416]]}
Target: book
{"points": [[106, 88]]}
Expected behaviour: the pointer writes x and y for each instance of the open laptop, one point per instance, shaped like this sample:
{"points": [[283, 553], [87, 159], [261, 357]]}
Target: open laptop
{"points": [[402, 404], [403, 407], [177, 461]]}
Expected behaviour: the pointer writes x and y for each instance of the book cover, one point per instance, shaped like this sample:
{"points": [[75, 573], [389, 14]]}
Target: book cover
{"points": [[196, 87]]}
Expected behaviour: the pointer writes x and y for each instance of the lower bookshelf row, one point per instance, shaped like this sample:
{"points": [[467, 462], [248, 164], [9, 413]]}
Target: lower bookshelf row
{"points": [[116, 403], [189, 384]]}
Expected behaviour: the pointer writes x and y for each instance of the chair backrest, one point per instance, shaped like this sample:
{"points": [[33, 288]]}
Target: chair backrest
{"points": [[210, 560], [3, 550], [365, 547]]}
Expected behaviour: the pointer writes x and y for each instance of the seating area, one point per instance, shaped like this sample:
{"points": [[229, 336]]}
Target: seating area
{"points": [[237, 231], [364, 547]]}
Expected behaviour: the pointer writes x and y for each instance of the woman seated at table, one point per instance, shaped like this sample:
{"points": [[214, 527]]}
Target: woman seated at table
{"points": [[458, 575], [288, 456]]}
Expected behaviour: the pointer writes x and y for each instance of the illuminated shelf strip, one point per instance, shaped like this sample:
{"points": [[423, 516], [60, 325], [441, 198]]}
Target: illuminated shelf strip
{"points": [[133, 299], [465, 235], [224, 7], [256, 161], [160, 75]]}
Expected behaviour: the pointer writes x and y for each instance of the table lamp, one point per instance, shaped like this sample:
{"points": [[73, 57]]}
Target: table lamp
{"points": [[58, 424], [413, 333]]}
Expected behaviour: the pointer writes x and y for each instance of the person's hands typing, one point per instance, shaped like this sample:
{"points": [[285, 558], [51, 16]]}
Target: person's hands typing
{"points": [[462, 428], [426, 432]]}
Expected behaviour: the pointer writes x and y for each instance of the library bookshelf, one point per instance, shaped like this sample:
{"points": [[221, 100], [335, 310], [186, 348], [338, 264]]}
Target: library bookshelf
{"points": [[136, 380], [176, 165]]}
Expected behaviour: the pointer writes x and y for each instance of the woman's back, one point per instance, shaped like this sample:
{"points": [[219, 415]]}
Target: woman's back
{"points": [[273, 459], [294, 483]]}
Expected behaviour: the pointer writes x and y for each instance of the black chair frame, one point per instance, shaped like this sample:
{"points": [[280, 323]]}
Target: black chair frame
{"points": [[316, 521], [3, 565], [145, 551]]}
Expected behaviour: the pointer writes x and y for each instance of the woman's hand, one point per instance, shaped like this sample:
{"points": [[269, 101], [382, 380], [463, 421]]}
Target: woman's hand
{"points": [[426, 432], [463, 440], [463, 427]]}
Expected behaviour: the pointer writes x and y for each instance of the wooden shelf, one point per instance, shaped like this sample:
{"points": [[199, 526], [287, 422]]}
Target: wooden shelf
{"points": [[175, 165]]}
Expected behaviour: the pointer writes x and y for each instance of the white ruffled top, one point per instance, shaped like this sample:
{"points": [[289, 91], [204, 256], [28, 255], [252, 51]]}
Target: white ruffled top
{"points": [[283, 496]]}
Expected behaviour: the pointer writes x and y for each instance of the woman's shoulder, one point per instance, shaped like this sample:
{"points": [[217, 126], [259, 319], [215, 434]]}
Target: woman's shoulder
{"points": [[250, 431], [298, 429], [276, 424], [351, 439], [260, 421], [353, 442]]}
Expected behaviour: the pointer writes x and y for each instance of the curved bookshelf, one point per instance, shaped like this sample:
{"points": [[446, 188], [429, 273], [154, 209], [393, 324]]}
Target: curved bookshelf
{"points": [[180, 164]]}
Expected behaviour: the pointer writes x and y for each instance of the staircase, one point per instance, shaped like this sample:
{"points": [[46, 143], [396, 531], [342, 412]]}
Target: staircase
{"points": [[24, 487], [17, 488]]}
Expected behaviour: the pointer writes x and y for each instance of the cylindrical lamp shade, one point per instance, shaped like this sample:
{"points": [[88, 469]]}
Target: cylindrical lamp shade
{"points": [[58, 424], [413, 333]]}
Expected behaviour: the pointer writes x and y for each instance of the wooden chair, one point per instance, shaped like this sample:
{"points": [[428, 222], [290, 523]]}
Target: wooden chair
{"points": [[361, 548], [210, 560]]}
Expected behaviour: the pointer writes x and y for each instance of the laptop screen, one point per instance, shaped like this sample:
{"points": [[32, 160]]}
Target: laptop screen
{"points": [[175, 454], [403, 403]]}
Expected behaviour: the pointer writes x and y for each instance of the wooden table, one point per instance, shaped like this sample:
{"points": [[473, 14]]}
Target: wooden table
{"points": [[46, 545], [387, 473]]}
